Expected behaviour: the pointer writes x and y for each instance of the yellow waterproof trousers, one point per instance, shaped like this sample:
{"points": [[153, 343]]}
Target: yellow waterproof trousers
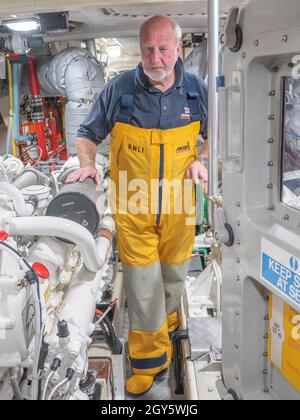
{"points": [[153, 204]]}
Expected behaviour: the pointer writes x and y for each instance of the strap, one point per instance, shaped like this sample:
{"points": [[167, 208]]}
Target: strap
{"points": [[193, 102], [126, 108]]}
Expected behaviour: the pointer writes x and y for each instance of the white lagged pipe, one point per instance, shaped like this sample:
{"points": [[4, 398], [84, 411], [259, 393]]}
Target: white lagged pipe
{"points": [[105, 238], [61, 228], [22, 209]]}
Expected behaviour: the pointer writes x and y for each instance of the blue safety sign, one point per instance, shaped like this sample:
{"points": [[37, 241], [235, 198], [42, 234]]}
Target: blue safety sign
{"points": [[281, 270]]}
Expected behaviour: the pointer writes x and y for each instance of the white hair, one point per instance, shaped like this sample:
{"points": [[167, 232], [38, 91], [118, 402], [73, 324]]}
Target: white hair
{"points": [[175, 26]]}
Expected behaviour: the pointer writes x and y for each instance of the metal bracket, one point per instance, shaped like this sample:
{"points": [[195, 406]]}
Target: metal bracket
{"points": [[232, 35], [224, 232]]}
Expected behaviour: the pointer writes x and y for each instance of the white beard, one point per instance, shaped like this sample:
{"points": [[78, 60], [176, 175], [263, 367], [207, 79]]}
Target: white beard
{"points": [[153, 75]]}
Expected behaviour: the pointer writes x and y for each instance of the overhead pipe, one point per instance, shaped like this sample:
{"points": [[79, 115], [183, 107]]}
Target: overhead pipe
{"points": [[10, 138], [91, 47], [213, 117], [16, 104], [38, 106]]}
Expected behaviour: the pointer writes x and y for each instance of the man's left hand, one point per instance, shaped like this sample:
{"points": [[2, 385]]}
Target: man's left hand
{"points": [[197, 172]]}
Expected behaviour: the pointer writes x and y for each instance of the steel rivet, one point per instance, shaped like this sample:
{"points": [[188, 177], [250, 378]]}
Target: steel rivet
{"points": [[238, 223], [272, 93], [271, 140], [238, 204], [286, 217], [284, 38], [270, 187], [271, 163], [272, 117], [256, 43]]}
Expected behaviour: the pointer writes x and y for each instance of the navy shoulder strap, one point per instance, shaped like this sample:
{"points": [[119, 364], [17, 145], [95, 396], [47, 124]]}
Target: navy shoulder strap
{"points": [[127, 99], [193, 99], [126, 106]]}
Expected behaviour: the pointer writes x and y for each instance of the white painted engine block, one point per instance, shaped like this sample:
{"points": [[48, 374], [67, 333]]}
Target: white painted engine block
{"points": [[67, 281]]}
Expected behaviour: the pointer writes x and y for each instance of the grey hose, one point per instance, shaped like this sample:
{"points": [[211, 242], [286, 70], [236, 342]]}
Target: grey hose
{"points": [[14, 383]]}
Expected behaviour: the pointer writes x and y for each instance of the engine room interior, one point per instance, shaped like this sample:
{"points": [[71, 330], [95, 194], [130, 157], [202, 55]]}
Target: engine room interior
{"points": [[65, 316]]}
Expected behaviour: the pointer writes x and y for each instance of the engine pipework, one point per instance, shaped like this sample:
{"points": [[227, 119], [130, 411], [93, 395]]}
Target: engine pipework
{"points": [[49, 287]]}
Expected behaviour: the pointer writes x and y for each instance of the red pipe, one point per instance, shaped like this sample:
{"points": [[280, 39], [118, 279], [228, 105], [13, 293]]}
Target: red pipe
{"points": [[36, 93], [53, 134]]}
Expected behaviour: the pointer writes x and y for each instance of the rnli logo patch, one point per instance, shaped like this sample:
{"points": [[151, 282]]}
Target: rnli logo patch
{"points": [[186, 115], [136, 149], [182, 149]]}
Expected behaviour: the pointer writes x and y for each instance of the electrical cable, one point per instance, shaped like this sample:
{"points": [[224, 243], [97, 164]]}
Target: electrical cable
{"points": [[50, 376], [112, 339], [54, 367], [60, 385], [68, 378]]}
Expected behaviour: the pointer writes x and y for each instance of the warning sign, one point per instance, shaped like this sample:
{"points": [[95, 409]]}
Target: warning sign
{"points": [[281, 269]]}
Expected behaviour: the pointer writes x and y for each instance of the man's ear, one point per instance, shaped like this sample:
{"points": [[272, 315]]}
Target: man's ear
{"points": [[179, 48]]}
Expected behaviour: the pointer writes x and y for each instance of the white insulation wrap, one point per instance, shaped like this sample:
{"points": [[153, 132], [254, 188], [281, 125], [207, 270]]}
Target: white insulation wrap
{"points": [[77, 75]]}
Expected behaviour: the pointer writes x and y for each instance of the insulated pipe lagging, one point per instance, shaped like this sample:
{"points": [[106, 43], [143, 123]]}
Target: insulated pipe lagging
{"points": [[27, 179], [77, 75], [92, 254], [22, 209]]}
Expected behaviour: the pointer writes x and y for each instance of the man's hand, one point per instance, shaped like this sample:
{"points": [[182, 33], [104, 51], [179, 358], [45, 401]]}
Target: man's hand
{"points": [[198, 172], [82, 174]]}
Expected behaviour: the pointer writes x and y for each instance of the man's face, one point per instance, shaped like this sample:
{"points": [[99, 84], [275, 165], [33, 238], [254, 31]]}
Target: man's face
{"points": [[160, 51]]}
